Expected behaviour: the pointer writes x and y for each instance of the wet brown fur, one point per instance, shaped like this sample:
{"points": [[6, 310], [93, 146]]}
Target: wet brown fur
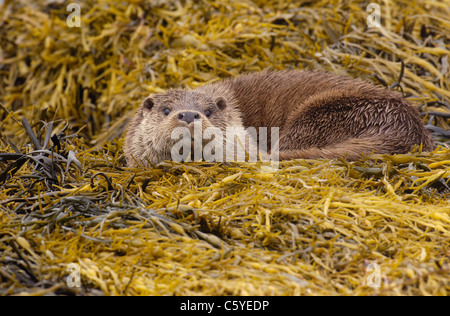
{"points": [[320, 115]]}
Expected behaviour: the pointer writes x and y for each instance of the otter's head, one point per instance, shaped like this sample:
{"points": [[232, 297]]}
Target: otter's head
{"points": [[178, 108], [150, 135]]}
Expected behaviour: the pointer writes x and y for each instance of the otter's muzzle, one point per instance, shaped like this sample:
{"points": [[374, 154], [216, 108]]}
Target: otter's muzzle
{"points": [[188, 117]]}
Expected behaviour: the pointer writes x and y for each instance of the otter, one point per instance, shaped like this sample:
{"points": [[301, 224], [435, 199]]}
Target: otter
{"points": [[319, 115]]}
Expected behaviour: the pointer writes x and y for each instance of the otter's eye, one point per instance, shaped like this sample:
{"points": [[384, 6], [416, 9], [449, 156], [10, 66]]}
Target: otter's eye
{"points": [[166, 111], [208, 113]]}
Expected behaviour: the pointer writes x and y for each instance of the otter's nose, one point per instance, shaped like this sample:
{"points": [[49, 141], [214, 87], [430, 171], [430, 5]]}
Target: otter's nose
{"points": [[188, 117]]}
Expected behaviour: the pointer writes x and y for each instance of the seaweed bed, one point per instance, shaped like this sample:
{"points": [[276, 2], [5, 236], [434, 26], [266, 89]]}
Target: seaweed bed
{"points": [[314, 227]]}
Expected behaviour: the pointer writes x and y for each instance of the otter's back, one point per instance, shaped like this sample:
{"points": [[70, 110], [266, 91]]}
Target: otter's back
{"points": [[268, 98]]}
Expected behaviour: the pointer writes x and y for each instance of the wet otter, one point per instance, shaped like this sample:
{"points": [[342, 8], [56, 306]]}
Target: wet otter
{"points": [[319, 115]]}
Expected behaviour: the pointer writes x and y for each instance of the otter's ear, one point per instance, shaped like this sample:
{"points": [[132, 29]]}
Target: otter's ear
{"points": [[148, 103], [221, 103]]}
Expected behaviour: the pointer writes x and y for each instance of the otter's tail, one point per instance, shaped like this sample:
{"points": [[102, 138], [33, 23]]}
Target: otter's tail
{"points": [[351, 149]]}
